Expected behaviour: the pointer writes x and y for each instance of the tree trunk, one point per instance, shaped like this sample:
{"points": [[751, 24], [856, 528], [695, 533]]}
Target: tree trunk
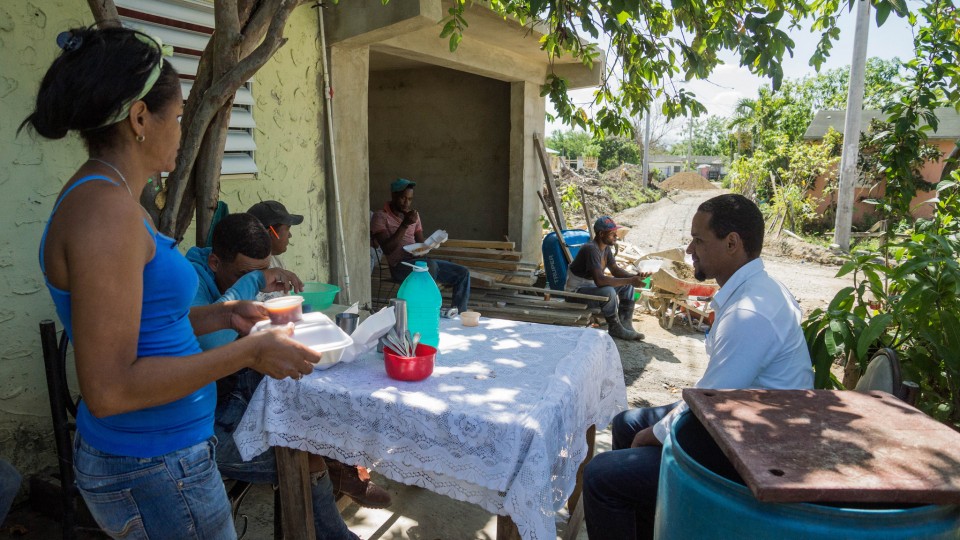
{"points": [[248, 33]]}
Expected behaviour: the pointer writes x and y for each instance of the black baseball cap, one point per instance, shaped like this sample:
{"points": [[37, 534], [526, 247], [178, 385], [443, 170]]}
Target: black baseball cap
{"points": [[273, 213]]}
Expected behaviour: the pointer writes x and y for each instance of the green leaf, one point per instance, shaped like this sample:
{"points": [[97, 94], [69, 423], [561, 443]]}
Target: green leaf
{"points": [[875, 328], [843, 295], [830, 337]]}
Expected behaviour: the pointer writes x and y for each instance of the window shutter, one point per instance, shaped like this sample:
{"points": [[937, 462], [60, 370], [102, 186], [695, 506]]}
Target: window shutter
{"points": [[187, 26]]}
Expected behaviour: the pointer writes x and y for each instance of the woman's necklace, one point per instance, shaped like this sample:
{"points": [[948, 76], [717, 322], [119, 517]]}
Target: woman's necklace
{"points": [[120, 174]]}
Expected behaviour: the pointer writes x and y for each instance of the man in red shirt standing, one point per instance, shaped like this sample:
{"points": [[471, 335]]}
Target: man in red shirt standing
{"points": [[396, 225]]}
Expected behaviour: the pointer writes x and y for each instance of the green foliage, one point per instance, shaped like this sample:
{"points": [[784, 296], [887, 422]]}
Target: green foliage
{"points": [[570, 199], [875, 159], [750, 176], [784, 115], [914, 282], [617, 150], [783, 176], [906, 297], [570, 144], [651, 43], [704, 137]]}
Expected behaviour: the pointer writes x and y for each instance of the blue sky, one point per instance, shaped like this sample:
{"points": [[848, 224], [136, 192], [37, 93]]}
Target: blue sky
{"points": [[729, 82]]}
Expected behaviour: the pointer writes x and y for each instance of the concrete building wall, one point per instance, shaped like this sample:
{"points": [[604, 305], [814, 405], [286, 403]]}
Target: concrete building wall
{"points": [[449, 132], [32, 174], [288, 114]]}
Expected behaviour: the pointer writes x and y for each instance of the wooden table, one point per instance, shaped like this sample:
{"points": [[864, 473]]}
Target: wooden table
{"points": [[505, 421], [832, 446]]}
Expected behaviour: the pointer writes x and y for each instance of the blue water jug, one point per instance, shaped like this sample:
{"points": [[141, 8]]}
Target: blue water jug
{"points": [[423, 304]]}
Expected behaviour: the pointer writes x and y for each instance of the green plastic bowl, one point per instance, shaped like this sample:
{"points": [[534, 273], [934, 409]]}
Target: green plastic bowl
{"points": [[318, 295]]}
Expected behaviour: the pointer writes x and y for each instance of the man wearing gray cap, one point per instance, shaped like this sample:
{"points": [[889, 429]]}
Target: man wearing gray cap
{"points": [[277, 221]]}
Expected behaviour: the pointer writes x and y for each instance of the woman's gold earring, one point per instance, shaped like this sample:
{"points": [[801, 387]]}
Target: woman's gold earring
{"points": [[140, 138]]}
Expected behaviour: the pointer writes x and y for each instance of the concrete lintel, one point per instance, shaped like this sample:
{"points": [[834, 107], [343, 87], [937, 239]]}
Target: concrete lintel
{"points": [[358, 23], [472, 56], [579, 75]]}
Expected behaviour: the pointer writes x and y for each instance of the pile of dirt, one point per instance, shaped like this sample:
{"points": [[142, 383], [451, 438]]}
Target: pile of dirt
{"points": [[686, 181], [787, 246], [606, 193]]}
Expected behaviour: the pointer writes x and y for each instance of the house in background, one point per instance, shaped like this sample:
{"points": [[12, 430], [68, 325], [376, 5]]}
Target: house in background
{"points": [[712, 168], [460, 124], [944, 139]]}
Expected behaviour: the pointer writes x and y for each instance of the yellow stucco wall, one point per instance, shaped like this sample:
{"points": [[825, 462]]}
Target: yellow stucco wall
{"points": [[289, 135]]}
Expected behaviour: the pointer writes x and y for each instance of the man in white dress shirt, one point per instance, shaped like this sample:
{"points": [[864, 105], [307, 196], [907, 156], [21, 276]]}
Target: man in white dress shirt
{"points": [[755, 342]]}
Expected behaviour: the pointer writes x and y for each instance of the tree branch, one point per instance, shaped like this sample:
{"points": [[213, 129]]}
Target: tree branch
{"points": [[105, 13], [212, 101]]}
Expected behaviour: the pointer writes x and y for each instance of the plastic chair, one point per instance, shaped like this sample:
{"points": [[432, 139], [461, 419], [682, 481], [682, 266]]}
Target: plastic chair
{"points": [[63, 411], [883, 373]]}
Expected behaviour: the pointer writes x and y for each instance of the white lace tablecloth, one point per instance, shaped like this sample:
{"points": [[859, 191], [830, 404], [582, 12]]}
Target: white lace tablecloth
{"points": [[501, 422]]}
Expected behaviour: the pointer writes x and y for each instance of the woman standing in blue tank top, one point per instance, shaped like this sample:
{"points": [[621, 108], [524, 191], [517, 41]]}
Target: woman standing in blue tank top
{"points": [[143, 451]]}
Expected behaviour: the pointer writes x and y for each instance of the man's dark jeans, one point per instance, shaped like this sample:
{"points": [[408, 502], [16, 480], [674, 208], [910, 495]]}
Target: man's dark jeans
{"points": [[620, 486], [446, 273], [262, 469], [616, 296]]}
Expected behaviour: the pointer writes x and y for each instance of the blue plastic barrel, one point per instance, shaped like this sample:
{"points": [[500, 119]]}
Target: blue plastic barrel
{"points": [[697, 501], [554, 264]]}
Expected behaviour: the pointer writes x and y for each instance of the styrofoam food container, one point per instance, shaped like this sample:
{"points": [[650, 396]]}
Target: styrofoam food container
{"points": [[649, 266], [318, 332]]}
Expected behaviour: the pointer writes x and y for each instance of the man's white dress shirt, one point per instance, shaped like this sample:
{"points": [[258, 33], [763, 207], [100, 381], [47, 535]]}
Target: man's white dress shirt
{"points": [[755, 340]]}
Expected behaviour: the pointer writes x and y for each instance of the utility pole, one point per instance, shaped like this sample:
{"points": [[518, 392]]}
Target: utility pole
{"points": [[690, 144], [646, 150], [851, 129]]}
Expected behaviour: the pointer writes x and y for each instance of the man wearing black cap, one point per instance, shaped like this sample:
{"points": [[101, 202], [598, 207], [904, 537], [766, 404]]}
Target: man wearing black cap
{"points": [[398, 225], [586, 275], [277, 221]]}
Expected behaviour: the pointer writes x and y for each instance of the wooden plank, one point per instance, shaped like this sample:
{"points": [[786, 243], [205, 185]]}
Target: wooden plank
{"points": [[480, 263], [553, 292], [482, 253], [832, 446], [527, 300], [296, 499], [586, 211], [482, 279], [552, 315], [488, 244], [551, 185], [556, 229], [535, 318]]}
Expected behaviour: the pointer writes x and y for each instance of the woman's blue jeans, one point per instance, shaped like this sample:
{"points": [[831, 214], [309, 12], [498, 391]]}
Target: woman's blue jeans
{"points": [[262, 469], [175, 496], [620, 486]]}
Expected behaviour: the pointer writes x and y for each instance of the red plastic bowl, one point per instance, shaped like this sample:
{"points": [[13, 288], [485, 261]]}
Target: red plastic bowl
{"points": [[410, 368]]}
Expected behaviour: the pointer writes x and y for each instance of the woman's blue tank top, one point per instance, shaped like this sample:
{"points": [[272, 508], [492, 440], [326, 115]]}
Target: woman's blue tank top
{"points": [[169, 286]]}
